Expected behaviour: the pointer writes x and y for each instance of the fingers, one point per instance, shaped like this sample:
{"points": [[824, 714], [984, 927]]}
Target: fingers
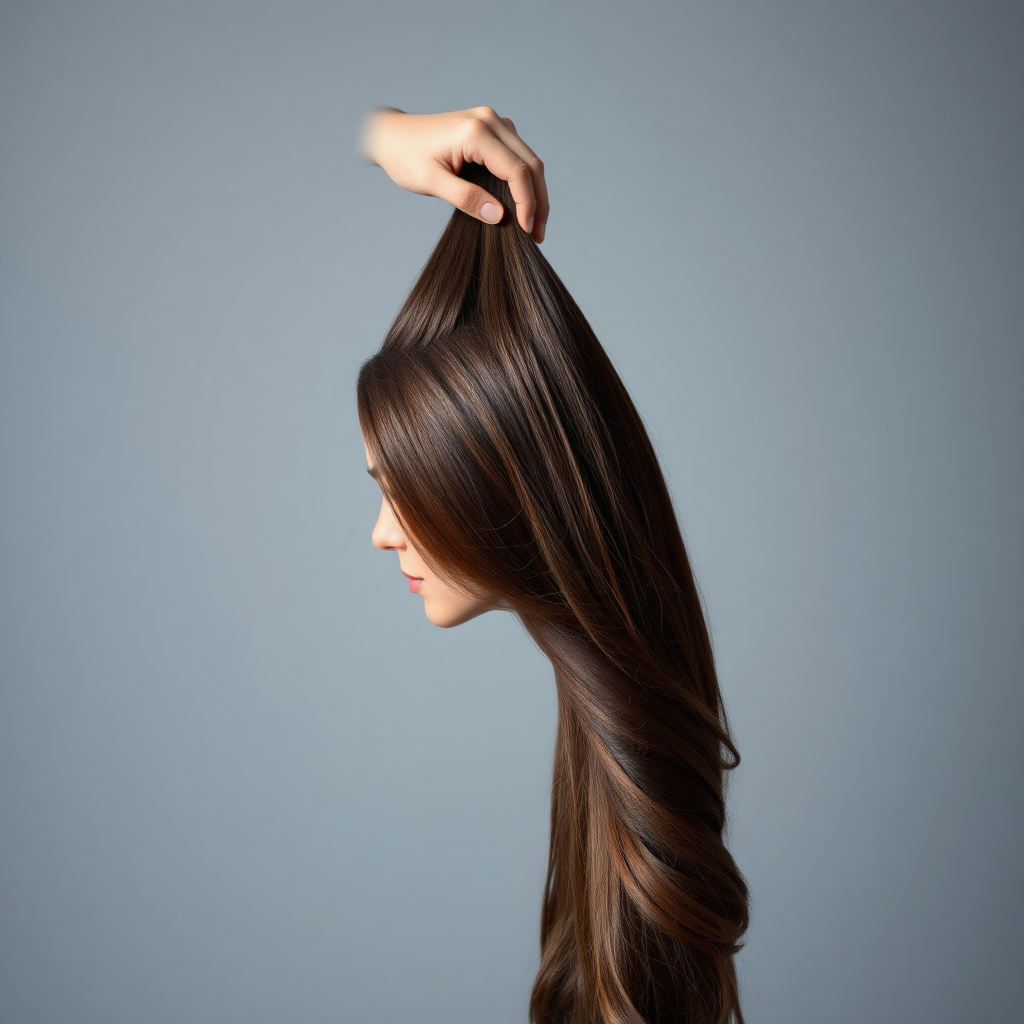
{"points": [[511, 139], [465, 196], [492, 141]]}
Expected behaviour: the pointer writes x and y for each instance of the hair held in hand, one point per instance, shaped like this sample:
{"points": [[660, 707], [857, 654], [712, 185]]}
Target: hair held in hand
{"points": [[513, 455]]}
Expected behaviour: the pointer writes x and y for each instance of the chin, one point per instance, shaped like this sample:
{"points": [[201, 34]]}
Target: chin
{"points": [[446, 618]]}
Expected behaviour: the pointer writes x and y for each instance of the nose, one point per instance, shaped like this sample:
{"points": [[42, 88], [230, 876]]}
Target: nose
{"points": [[387, 534]]}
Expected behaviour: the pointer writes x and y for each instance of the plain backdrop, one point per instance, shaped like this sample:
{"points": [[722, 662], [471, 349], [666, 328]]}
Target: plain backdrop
{"points": [[242, 778]]}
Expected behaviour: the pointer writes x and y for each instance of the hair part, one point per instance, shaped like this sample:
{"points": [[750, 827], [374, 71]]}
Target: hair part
{"points": [[515, 457]]}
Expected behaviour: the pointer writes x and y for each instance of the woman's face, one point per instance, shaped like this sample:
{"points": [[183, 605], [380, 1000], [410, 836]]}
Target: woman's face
{"points": [[444, 603]]}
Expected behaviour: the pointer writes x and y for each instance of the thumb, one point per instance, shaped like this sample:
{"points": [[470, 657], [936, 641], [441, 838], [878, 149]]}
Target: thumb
{"points": [[468, 198]]}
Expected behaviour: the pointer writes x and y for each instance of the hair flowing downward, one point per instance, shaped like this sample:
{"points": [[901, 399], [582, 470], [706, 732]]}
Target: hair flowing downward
{"points": [[515, 458]]}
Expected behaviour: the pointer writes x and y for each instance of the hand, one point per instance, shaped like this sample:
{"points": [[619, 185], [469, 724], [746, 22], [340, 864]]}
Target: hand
{"points": [[425, 152]]}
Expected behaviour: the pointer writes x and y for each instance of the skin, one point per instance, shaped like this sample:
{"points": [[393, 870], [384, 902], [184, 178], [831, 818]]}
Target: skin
{"points": [[425, 152], [446, 604]]}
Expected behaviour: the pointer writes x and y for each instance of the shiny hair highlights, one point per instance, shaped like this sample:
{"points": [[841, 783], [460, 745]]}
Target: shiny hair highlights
{"points": [[515, 458]]}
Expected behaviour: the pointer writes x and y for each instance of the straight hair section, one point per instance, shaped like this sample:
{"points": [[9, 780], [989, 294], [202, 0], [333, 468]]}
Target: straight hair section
{"points": [[515, 459]]}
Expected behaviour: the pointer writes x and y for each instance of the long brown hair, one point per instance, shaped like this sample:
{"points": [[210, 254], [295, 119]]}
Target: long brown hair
{"points": [[516, 460]]}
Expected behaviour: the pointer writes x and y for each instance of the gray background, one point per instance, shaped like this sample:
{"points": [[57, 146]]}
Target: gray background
{"points": [[242, 779]]}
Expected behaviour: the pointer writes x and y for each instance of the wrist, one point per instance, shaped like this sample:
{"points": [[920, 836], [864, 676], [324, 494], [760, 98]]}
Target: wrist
{"points": [[369, 137]]}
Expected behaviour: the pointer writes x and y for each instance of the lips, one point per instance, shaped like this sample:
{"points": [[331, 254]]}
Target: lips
{"points": [[415, 582]]}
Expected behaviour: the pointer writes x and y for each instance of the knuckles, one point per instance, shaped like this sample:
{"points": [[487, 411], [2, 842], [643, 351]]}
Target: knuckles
{"points": [[474, 129]]}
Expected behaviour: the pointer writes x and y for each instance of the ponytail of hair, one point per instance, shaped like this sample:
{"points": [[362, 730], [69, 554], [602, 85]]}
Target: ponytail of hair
{"points": [[514, 456]]}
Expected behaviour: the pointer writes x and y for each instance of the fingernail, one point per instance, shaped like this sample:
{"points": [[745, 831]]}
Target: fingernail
{"points": [[529, 224], [491, 212]]}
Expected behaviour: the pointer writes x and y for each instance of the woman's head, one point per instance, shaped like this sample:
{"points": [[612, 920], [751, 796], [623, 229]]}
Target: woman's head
{"points": [[518, 474], [510, 449]]}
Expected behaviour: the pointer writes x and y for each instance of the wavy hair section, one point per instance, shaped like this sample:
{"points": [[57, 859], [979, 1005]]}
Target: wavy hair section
{"points": [[514, 456]]}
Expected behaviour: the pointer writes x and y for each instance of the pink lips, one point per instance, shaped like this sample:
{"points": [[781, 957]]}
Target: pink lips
{"points": [[415, 582]]}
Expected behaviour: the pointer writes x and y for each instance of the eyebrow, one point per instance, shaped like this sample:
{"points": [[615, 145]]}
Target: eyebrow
{"points": [[372, 470]]}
